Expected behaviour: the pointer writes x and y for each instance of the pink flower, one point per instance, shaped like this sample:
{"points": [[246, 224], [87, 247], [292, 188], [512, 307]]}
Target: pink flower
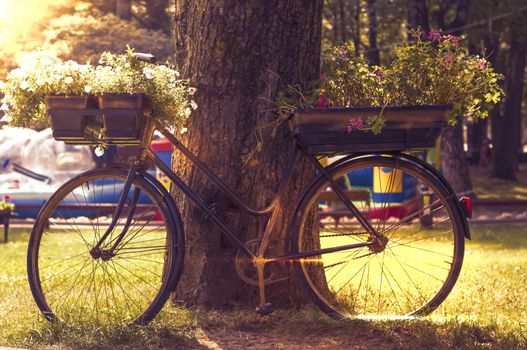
{"points": [[323, 102], [434, 35], [448, 61], [7, 198], [355, 124], [452, 39], [482, 64]]}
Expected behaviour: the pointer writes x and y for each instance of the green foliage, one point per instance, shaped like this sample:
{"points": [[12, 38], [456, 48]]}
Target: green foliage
{"points": [[428, 71], [439, 71], [349, 80], [85, 34], [6, 205], [43, 74]]}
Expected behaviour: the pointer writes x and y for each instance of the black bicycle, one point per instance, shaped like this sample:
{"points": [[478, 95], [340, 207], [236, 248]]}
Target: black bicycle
{"points": [[378, 232]]}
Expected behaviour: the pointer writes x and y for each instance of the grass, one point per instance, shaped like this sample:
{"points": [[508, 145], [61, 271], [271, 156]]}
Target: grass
{"points": [[495, 189], [486, 309]]}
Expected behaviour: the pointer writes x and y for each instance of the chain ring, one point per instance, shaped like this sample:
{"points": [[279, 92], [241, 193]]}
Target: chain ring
{"points": [[245, 267]]}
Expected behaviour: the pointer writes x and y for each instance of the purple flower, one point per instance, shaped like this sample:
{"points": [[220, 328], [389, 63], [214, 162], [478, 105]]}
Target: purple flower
{"points": [[379, 74], [343, 53], [355, 124], [434, 35], [323, 102]]}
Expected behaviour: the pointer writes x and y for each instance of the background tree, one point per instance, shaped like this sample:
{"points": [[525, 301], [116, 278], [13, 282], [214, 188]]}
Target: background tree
{"points": [[248, 50]]}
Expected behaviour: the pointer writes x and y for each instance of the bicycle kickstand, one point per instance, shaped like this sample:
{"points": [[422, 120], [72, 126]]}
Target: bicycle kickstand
{"points": [[265, 308]]}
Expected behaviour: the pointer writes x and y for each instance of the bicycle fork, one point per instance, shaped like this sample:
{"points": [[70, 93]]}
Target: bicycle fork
{"points": [[105, 254]]}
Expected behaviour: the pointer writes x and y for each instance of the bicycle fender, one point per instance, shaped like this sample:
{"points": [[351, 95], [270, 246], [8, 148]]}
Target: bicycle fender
{"points": [[429, 168], [175, 219]]}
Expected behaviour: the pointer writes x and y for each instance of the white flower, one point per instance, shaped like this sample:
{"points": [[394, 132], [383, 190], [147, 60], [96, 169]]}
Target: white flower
{"points": [[177, 73], [6, 118], [188, 111], [193, 104], [40, 82], [24, 85], [68, 80], [149, 73], [183, 130], [192, 90], [99, 151], [87, 88], [4, 107]]}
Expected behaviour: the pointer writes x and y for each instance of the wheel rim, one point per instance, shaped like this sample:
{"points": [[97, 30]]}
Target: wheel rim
{"points": [[72, 284], [416, 269]]}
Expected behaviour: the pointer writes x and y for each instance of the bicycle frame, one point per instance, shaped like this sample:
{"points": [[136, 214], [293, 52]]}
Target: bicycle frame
{"points": [[269, 211]]}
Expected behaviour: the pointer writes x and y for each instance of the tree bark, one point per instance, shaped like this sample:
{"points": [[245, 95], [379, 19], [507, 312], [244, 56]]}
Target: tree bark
{"points": [[355, 8], [453, 157], [372, 33], [454, 164], [343, 21], [124, 9], [508, 127], [418, 16], [248, 50], [157, 15]]}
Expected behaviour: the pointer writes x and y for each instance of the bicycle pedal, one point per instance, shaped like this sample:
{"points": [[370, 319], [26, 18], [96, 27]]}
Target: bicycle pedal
{"points": [[264, 310]]}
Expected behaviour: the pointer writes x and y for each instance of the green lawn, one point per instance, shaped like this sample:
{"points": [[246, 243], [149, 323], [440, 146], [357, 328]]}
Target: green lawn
{"points": [[487, 309]]}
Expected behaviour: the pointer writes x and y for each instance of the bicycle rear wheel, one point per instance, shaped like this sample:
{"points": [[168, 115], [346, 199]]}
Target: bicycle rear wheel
{"points": [[413, 272], [73, 283]]}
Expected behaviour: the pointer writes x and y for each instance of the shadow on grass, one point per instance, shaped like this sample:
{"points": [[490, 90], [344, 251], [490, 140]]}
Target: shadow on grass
{"points": [[310, 328]]}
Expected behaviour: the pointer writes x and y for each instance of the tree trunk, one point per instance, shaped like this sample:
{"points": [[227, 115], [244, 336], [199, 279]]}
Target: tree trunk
{"points": [[418, 15], [343, 21], [157, 15], [453, 158], [453, 163], [248, 50], [508, 127], [355, 8], [124, 9], [372, 33]]}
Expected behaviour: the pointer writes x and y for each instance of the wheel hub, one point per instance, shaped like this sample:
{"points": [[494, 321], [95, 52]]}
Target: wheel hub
{"points": [[378, 244], [104, 254]]}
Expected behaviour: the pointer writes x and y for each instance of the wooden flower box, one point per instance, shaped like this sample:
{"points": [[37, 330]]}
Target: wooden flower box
{"points": [[325, 130]]}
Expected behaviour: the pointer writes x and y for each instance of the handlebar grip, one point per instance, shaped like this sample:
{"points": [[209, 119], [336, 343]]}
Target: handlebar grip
{"points": [[145, 57]]}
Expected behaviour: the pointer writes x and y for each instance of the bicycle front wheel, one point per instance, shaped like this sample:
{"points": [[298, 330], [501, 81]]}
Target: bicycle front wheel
{"points": [[72, 282], [407, 273]]}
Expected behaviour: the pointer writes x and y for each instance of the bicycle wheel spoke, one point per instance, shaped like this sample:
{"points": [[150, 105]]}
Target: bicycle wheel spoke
{"points": [[409, 267], [74, 282]]}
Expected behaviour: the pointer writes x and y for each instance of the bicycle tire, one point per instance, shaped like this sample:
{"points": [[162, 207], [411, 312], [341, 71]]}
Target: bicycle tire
{"points": [[415, 271], [69, 284]]}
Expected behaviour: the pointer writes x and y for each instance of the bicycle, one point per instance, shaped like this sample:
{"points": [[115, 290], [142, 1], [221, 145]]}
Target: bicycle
{"points": [[360, 249]]}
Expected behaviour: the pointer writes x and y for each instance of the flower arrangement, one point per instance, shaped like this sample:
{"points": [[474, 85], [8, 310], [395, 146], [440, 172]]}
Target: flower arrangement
{"points": [[435, 69], [6, 205], [432, 69], [42, 74]]}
